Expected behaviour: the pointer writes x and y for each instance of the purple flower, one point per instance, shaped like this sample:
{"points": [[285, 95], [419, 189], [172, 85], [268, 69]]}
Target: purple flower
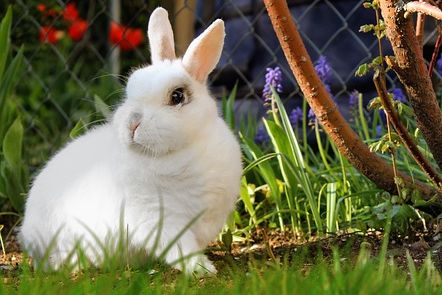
{"points": [[379, 131], [353, 99], [382, 115], [274, 79], [399, 95], [439, 66], [311, 115], [296, 116], [323, 68], [324, 71], [261, 135]]}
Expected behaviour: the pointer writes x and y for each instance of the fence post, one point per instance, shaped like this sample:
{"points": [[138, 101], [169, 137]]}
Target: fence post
{"points": [[114, 57], [184, 26]]}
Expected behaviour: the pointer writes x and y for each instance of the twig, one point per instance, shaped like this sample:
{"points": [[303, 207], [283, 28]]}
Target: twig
{"points": [[420, 27], [379, 82], [435, 53], [393, 154], [338, 130], [424, 8]]}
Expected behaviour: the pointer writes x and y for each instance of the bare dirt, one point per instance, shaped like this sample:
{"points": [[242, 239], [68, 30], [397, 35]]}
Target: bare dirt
{"points": [[268, 246]]}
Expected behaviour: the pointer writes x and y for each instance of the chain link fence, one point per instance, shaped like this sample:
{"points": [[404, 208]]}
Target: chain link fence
{"points": [[68, 67]]}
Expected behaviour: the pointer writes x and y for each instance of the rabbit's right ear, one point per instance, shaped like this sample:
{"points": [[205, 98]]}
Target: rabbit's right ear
{"points": [[160, 36]]}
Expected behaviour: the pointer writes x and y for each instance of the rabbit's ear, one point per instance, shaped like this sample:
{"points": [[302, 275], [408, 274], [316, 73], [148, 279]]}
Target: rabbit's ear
{"points": [[160, 36], [204, 52]]}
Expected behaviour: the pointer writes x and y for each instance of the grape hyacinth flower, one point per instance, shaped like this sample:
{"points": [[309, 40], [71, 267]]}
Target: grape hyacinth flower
{"points": [[311, 115], [296, 116], [399, 95], [439, 66], [273, 79], [261, 135], [324, 70], [353, 99], [379, 130]]}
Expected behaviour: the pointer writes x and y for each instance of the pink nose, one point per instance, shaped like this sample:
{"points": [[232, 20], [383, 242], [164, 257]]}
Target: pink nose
{"points": [[132, 127]]}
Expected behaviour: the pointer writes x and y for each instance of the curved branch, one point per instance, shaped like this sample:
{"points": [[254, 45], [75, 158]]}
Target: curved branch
{"points": [[338, 130], [424, 8], [379, 82]]}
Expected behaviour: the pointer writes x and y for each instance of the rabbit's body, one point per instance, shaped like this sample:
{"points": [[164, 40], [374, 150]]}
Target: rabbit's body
{"points": [[165, 158]]}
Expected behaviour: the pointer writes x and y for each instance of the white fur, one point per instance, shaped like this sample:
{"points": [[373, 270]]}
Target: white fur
{"points": [[181, 161]]}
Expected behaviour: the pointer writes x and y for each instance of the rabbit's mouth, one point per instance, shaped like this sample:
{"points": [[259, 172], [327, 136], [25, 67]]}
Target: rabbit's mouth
{"points": [[147, 150]]}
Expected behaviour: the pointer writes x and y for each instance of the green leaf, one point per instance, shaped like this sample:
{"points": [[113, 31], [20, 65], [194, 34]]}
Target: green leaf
{"points": [[366, 28], [102, 107], [246, 198], [12, 146], [375, 103], [228, 108], [362, 70], [5, 42], [78, 129], [416, 132], [377, 61], [11, 77], [227, 240], [3, 182]]}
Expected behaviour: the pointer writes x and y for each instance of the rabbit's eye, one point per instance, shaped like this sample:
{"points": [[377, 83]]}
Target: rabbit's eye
{"points": [[177, 96]]}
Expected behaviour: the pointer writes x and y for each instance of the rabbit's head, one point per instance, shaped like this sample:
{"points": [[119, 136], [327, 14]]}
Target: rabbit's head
{"points": [[168, 105]]}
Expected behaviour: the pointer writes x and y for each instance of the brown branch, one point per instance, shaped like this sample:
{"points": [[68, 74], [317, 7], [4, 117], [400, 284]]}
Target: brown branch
{"points": [[435, 53], [410, 67], [379, 82], [338, 130], [420, 27]]}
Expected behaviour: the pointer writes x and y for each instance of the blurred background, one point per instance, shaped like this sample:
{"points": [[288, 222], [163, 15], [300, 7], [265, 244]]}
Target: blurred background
{"points": [[79, 53]]}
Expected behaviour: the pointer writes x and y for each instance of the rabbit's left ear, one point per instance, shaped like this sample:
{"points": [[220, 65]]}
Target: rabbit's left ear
{"points": [[204, 52], [160, 36]]}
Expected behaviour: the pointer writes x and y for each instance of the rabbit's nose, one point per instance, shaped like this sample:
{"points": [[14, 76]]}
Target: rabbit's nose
{"points": [[134, 123], [133, 126]]}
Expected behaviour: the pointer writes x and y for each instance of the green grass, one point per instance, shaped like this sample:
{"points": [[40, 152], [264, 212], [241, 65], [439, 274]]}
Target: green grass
{"points": [[333, 276]]}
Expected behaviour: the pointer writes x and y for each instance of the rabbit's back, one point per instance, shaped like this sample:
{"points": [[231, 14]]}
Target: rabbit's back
{"points": [[73, 194]]}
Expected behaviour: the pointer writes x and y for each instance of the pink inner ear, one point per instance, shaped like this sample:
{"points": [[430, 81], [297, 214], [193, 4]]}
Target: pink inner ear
{"points": [[166, 49], [204, 52]]}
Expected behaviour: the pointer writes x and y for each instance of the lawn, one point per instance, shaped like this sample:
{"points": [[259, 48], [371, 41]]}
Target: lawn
{"points": [[308, 270], [327, 204]]}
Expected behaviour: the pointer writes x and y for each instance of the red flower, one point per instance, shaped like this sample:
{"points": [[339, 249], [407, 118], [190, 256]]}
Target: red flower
{"points": [[51, 13], [126, 38], [70, 12], [77, 29], [41, 7], [49, 34]]}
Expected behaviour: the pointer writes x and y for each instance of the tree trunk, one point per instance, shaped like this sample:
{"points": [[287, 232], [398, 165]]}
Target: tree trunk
{"points": [[410, 67]]}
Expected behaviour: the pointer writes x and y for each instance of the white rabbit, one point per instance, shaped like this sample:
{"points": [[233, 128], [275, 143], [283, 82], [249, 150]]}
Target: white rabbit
{"points": [[166, 152]]}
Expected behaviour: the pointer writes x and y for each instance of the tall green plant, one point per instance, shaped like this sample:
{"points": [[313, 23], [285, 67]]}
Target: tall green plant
{"points": [[13, 172]]}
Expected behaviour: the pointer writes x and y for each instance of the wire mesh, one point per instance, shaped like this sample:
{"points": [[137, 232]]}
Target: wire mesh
{"points": [[64, 75]]}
